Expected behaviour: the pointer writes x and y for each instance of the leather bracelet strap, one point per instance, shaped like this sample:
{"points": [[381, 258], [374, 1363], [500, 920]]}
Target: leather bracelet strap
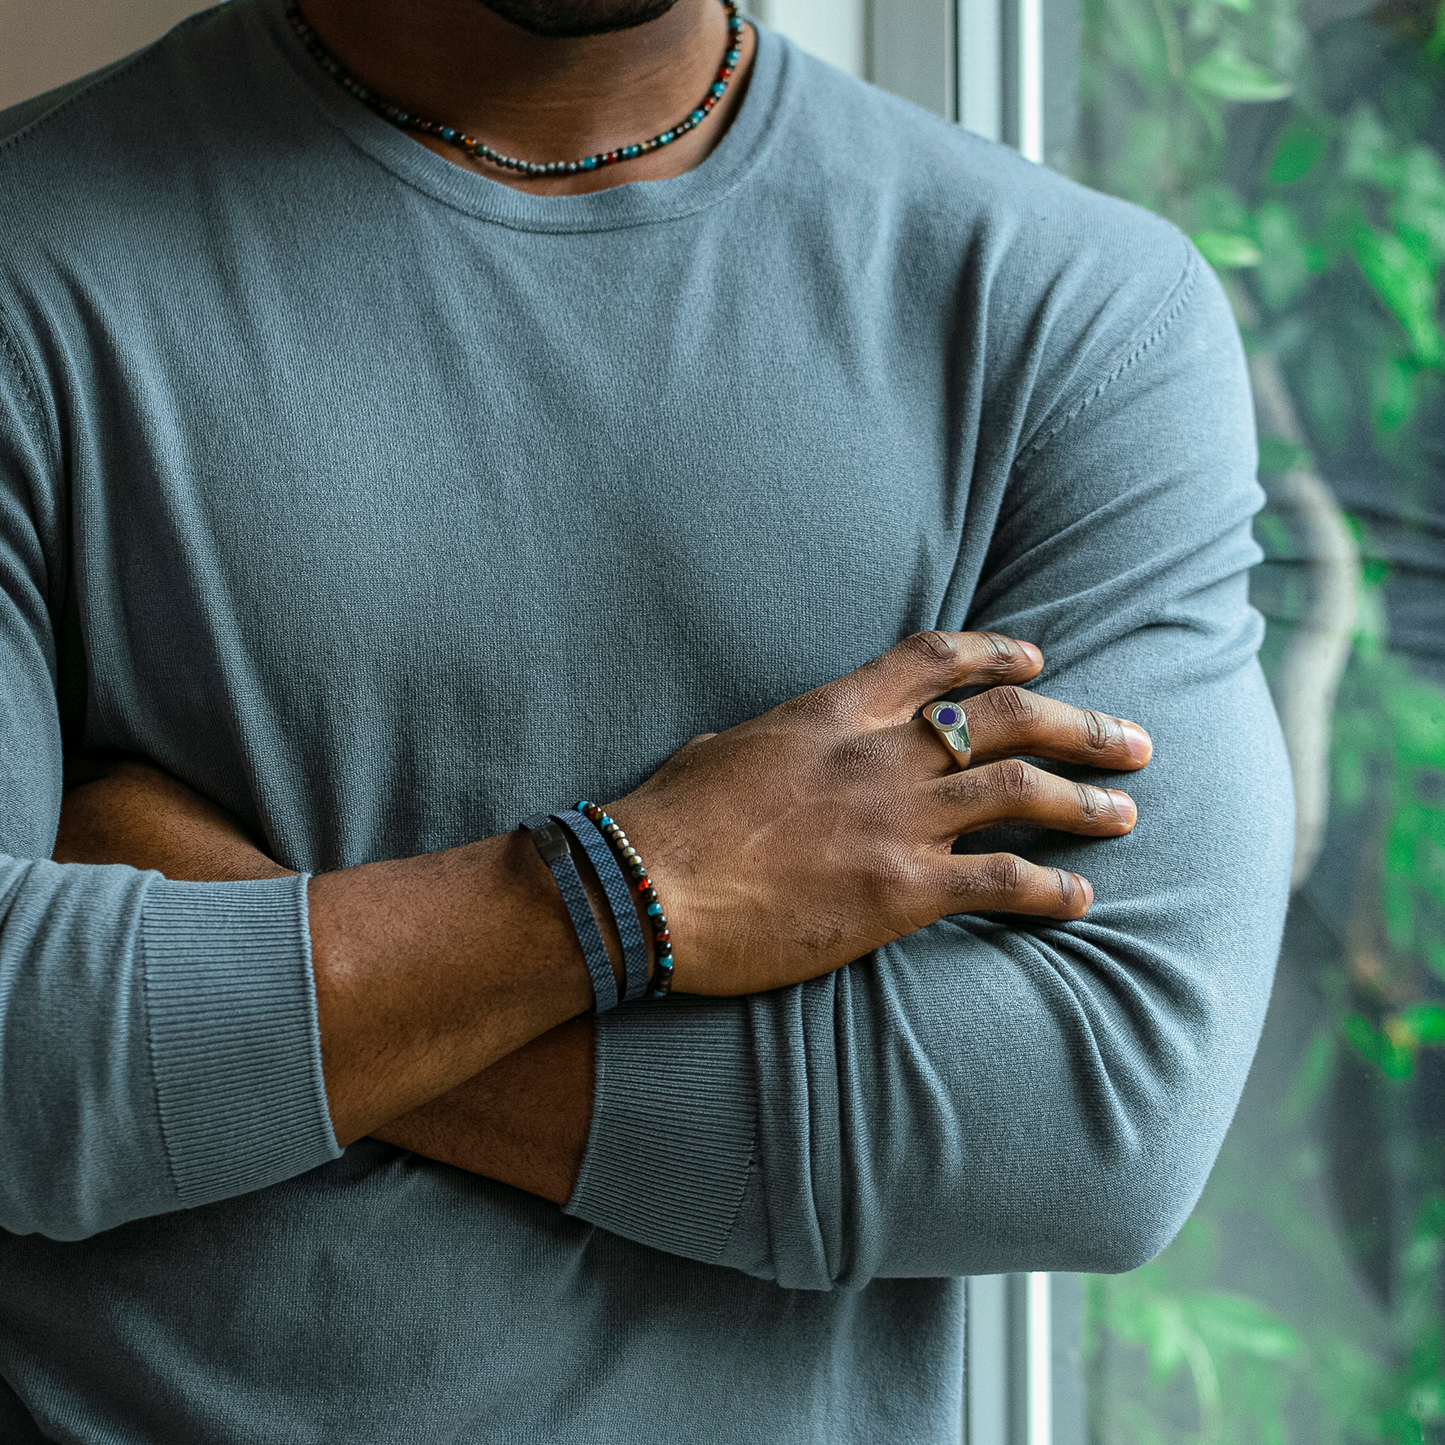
{"points": [[619, 895], [551, 841]]}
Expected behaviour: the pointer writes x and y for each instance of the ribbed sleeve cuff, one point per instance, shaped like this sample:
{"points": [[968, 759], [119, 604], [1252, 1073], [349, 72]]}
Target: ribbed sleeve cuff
{"points": [[235, 1048], [673, 1122]]}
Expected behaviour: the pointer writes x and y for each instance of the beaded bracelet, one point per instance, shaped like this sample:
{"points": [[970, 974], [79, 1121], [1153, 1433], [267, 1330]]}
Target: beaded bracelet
{"points": [[551, 841], [619, 899], [661, 984]]}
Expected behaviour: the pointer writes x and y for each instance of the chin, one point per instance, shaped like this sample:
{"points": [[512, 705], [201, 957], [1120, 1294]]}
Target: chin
{"points": [[560, 19]]}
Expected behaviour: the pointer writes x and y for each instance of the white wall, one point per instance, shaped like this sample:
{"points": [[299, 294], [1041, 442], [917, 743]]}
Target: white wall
{"points": [[834, 30], [44, 43]]}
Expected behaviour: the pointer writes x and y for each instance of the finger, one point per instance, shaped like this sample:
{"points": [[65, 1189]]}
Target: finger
{"points": [[1010, 721], [891, 688], [1006, 883], [1014, 791]]}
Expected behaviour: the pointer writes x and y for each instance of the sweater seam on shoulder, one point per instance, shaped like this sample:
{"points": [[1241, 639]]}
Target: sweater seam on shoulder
{"points": [[1184, 289]]}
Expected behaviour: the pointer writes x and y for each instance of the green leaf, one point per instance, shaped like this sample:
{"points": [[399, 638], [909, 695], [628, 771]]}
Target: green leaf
{"points": [[1391, 382], [1418, 716], [1226, 250], [1154, 1321], [1376, 1047], [1230, 1324], [1230, 76], [1219, 207], [1286, 260], [1405, 281], [1435, 46], [1133, 25], [1277, 456], [1296, 154], [1271, 532], [1367, 149], [1418, 209], [1423, 1022], [1427, 1401], [1361, 1035]]}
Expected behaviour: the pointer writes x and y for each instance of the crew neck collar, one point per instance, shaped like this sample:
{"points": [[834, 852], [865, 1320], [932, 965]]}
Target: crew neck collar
{"points": [[638, 203]]}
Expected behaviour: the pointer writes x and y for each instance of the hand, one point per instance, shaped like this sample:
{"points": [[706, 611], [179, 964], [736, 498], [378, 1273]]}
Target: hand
{"points": [[801, 840]]}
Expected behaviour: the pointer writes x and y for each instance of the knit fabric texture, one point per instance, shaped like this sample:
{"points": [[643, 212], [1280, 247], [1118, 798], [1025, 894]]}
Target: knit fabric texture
{"points": [[333, 475]]}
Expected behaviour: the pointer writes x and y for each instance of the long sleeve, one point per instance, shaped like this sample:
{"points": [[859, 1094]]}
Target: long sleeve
{"points": [[998, 1093], [158, 1040]]}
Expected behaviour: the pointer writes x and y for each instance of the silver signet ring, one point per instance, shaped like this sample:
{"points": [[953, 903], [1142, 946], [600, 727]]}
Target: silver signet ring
{"points": [[948, 721]]}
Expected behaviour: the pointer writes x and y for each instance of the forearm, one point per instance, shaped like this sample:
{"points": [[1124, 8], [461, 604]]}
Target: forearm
{"points": [[524, 1121], [427, 971]]}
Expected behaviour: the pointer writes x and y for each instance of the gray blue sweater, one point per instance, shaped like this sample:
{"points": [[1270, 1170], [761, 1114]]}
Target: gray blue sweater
{"points": [[328, 473]]}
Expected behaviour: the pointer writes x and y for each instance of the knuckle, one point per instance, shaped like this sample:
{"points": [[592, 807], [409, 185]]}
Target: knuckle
{"points": [[931, 647], [1099, 730], [891, 882], [1016, 782], [1091, 802], [965, 789], [1000, 652], [1001, 874], [1065, 884], [1016, 706], [895, 874]]}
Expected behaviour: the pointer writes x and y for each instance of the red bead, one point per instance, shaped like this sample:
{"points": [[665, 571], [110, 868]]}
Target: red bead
{"points": [[644, 883], [663, 937]]}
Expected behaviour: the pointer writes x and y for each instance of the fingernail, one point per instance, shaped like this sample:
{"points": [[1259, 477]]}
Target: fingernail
{"points": [[1139, 743], [1088, 892], [1123, 806], [1034, 655]]}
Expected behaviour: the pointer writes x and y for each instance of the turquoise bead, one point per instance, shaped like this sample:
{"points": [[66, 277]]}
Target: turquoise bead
{"points": [[654, 908]]}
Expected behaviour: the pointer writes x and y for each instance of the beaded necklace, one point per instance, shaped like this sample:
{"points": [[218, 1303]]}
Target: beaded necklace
{"points": [[397, 115]]}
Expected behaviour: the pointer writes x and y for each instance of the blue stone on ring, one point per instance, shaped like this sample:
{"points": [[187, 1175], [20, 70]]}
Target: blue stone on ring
{"points": [[947, 717]]}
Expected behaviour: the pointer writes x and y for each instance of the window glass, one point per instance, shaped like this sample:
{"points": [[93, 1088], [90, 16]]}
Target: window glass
{"points": [[1300, 143]]}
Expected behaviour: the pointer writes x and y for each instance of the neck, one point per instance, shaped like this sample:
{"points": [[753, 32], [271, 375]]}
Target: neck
{"points": [[459, 63]]}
